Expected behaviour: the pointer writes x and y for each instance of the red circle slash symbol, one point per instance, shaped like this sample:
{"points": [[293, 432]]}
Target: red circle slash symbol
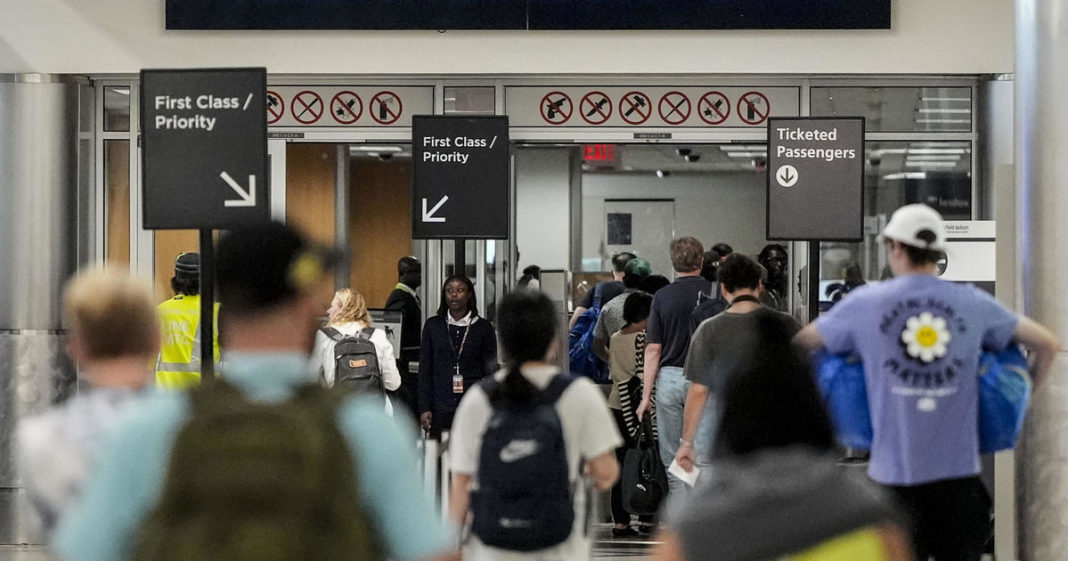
{"points": [[386, 108], [753, 108], [635, 108], [276, 107], [714, 108], [674, 108], [556, 108], [595, 108], [346, 107], [307, 107]]}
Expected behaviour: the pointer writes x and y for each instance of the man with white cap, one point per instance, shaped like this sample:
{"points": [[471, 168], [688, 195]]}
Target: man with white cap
{"points": [[920, 339]]}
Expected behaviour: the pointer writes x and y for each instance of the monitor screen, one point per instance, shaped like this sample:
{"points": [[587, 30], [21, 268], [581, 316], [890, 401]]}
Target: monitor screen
{"points": [[528, 14]]}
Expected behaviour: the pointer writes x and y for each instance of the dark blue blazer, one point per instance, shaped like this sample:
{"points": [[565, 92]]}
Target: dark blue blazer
{"points": [[437, 357]]}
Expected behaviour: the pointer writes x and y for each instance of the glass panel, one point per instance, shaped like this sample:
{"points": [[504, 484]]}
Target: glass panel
{"points": [[117, 201], [469, 100], [116, 108], [938, 174], [898, 109]]}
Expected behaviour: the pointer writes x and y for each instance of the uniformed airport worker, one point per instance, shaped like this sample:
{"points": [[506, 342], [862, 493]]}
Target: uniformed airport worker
{"points": [[178, 365]]}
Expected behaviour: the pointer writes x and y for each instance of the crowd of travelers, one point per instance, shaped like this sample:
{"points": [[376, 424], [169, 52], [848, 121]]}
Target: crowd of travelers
{"points": [[696, 407]]}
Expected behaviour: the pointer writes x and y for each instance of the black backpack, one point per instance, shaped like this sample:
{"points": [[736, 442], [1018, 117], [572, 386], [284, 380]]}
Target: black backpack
{"points": [[523, 499], [356, 365]]}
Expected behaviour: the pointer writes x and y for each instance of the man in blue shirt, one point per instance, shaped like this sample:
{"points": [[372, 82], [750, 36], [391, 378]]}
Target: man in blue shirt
{"points": [[920, 338], [268, 277]]}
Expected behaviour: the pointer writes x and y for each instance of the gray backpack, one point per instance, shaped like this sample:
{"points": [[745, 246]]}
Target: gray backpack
{"points": [[356, 365]]}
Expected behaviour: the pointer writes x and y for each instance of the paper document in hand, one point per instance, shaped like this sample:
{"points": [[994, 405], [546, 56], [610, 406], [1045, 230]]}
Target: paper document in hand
{"points": [[687, 477]]}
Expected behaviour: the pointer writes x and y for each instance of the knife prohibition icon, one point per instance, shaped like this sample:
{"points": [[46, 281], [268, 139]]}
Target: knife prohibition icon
{"points": [[597, 107]]}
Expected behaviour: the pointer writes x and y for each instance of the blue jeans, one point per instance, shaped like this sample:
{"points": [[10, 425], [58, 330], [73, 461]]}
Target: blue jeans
{"points": [[671, 389]]}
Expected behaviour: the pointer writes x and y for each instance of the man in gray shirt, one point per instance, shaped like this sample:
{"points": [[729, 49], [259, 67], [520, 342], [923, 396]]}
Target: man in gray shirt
{"points": [[611, 318], [724, 344]]}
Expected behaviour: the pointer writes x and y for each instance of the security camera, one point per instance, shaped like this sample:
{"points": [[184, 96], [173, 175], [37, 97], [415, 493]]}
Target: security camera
{"points": [[874, 161], [682, 152], [662, 173], [385, 156], [692, 157]]}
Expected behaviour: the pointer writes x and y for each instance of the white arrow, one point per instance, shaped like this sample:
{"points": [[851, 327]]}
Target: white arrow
{"points": [[429, 216], [248, 198]]}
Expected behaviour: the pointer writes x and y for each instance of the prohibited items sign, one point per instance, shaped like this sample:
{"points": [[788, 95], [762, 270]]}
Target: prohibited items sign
{"points": [[346, 107]]}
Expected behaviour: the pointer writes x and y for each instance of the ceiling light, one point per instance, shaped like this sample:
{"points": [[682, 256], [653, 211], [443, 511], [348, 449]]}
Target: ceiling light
{"points": [[369, 148], [944, 121], [884, 151], [938, 110], [906, 175], [741, 147], [932, 158], [946, 99], [936, 151], [746, 154], [912, 164]]}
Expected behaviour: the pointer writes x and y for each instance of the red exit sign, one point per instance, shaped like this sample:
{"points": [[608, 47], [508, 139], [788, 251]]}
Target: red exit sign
{"points": [[599, 152]]}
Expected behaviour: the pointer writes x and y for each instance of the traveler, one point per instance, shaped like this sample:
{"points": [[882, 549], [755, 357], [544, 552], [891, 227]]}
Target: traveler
{"points": [[627, 362], [774, 258], [178, 365], [609, 289], [666, 342], [653, 283], [519, 443], [611, 318], [114, 335], [723, 346], [405, 299], [261, 463], [920, 338], [531, 278], [775, 491], [348, 317], [458, 349]]}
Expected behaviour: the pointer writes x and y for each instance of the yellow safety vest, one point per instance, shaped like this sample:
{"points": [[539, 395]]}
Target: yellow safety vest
{"points": [[178, 365]]}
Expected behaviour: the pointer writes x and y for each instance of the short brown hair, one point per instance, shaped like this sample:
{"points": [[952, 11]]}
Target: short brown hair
{"points": [[686, 254], [112, 313]]}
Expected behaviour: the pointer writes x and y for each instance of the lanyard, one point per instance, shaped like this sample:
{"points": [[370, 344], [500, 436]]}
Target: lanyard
{"points": [[744, 298], [463, 342]]}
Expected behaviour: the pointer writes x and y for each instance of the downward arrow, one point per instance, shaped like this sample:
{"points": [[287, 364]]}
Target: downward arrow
{"points": [[248, 198], [428, 216], [787, 176]]}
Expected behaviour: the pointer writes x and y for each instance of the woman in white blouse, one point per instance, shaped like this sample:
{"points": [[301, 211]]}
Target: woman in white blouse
{"points": [[348, 314]]}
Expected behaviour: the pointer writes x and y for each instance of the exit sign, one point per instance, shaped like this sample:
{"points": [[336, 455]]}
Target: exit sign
{"points": [[599, 152]]}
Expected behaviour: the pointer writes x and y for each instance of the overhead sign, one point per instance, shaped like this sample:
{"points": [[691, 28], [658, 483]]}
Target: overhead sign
{"points": [[204, 148], [460, 177], [348, 106], [649, 106], [815, 179]]}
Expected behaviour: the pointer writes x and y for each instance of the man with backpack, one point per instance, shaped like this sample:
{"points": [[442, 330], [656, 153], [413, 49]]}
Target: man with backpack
{"points": [[582, 357], [523, 442], [263, 463]]}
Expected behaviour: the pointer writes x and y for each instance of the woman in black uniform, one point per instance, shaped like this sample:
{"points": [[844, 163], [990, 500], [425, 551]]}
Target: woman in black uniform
{"points": [[458, 349]]}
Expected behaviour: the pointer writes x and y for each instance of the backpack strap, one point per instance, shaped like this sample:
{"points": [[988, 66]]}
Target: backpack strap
{"points": [[597, 290], [367, 332], [556, 388], [332, 333]]}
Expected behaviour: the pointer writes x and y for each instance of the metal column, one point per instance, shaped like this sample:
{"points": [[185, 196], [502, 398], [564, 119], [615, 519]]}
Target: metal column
{"points": [[1042, 205]]}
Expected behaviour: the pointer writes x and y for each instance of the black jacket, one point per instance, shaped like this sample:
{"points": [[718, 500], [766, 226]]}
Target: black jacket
{"points": [[437, 359], [403, 302]]}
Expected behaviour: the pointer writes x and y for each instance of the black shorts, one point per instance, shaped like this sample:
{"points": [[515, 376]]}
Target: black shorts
{"points": [[950, 519]]}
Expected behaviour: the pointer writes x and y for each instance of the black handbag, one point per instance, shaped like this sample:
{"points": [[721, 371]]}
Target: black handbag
{"points": [[644, 480]]}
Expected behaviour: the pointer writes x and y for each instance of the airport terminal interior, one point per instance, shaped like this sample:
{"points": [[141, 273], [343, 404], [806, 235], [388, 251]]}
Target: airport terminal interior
{"points": [[618, 140]]}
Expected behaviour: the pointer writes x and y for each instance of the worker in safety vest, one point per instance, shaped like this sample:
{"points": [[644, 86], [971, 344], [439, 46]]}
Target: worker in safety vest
{"points": [[178, 365]]}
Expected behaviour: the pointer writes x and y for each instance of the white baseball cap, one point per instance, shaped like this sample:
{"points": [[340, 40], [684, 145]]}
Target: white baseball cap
{"points": [[917, 225]]}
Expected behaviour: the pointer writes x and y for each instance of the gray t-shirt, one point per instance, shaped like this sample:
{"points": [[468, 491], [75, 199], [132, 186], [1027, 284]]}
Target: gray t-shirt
{"points": [[722, 344], [611, 318]]}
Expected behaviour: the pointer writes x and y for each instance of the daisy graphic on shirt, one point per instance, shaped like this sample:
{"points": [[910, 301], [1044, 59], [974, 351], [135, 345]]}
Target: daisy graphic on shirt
{"points": [[926, 337]]}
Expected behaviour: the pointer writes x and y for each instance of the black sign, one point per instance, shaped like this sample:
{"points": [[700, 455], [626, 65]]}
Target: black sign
{"points": [[460, 179], [204, 148], [816, 179]]}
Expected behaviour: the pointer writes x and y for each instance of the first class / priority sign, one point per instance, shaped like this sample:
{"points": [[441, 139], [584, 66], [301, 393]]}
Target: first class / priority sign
{"points": [[204, 148]]}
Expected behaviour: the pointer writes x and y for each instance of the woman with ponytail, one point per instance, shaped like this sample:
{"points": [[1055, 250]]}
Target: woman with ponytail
{"points": [[529, 338]]}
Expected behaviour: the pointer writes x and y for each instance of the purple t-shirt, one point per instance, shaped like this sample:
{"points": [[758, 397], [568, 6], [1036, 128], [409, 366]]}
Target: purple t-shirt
{"points": [[920, 340]]}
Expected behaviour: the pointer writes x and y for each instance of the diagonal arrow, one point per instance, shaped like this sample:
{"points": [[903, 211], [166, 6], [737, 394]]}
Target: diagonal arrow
{"points": [[428, 216], [248, 198]]}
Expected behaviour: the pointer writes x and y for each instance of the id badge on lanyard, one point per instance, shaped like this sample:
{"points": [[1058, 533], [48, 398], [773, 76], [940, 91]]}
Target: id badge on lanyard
{"points": [[457, 382]]}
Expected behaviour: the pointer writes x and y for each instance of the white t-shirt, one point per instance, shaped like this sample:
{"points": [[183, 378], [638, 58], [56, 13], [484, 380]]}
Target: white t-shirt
{"points": [[589, 432], [323, 357]]}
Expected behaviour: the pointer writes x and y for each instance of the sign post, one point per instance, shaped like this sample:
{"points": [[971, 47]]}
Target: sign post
{"points": [[204, 163], [815, 185], [460, 178]]}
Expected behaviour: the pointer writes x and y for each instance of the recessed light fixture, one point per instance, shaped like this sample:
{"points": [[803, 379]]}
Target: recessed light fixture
{"points": [[913, 164]]}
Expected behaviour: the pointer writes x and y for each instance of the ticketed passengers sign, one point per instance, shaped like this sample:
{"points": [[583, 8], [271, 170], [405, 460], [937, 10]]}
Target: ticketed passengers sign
{"points": [[461, 177], [204, 148], [815, 179]]}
